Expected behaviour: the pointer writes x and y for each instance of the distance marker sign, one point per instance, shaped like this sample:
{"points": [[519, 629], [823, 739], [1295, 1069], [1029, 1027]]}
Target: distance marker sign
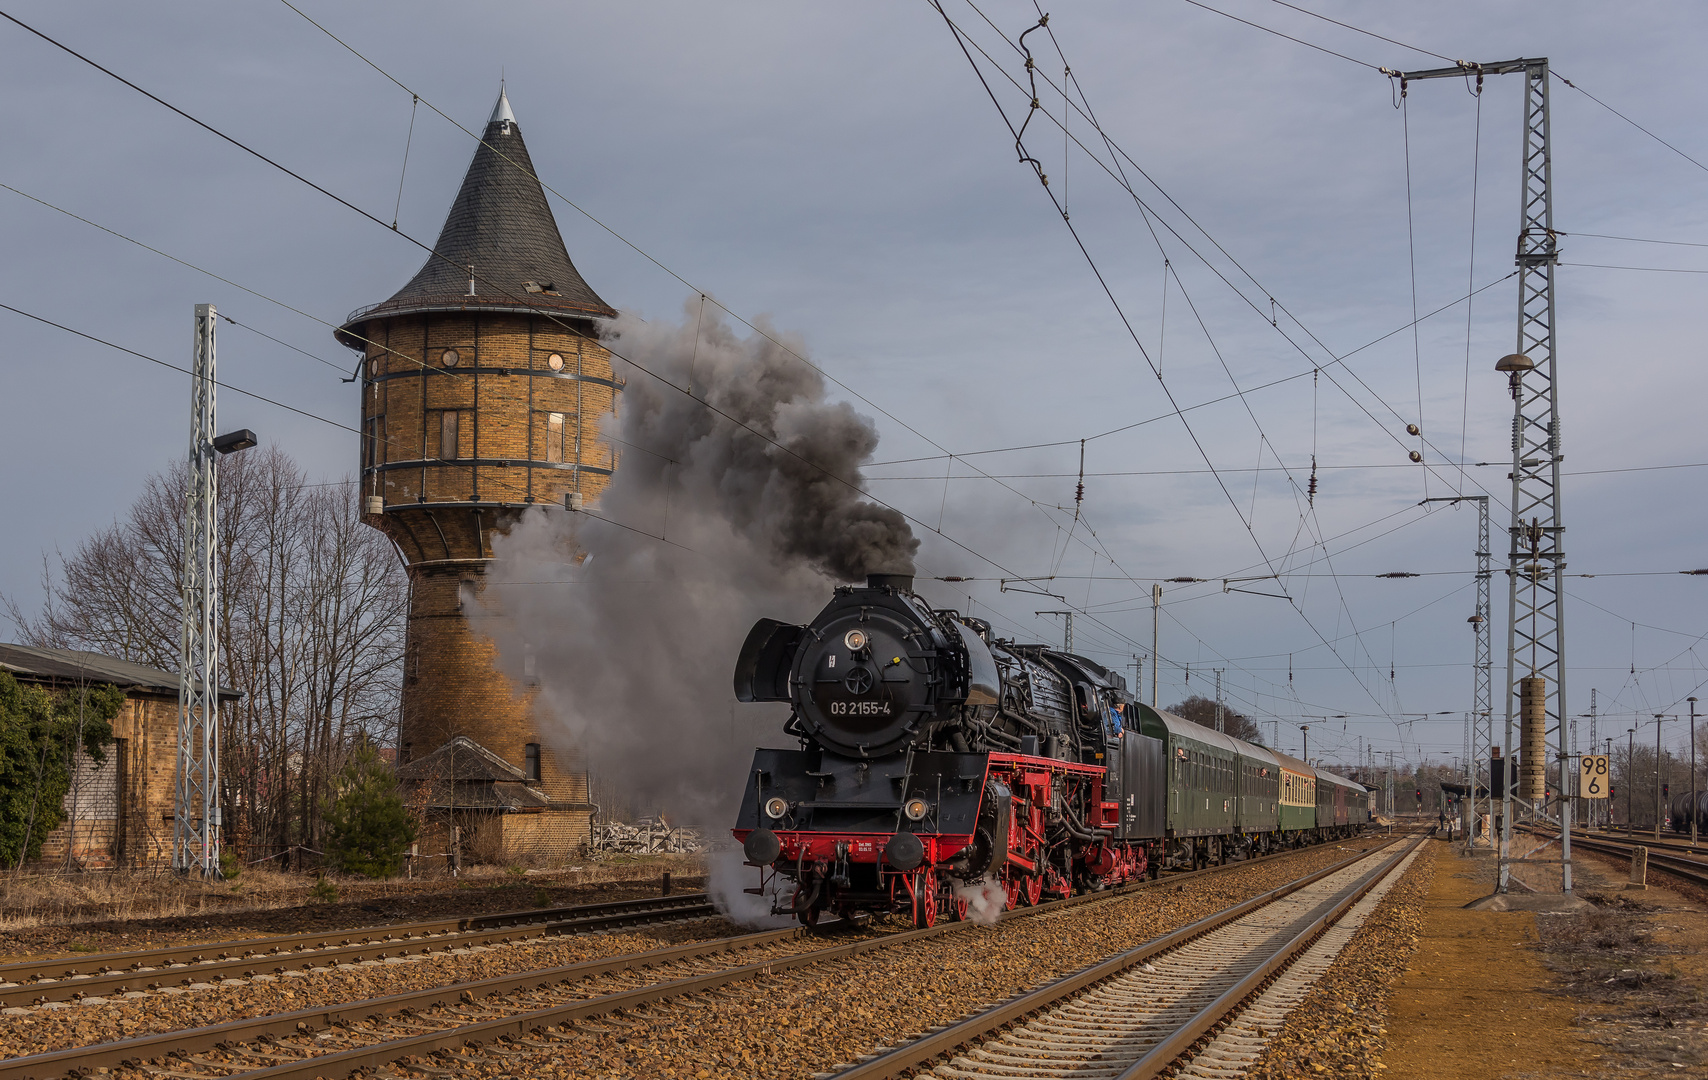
{"points": [[1593, 777]]}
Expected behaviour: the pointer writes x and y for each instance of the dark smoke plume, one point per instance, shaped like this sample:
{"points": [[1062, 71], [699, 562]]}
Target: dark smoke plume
{"points": [[634, 647]]}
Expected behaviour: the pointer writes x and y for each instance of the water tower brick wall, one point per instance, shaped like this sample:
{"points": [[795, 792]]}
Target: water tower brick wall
{"points": [[442, 505], [504, 389]]}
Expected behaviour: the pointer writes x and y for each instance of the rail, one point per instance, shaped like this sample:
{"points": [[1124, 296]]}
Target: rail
{"points": [[68, 978], [901, 1060], [314, 1042]]}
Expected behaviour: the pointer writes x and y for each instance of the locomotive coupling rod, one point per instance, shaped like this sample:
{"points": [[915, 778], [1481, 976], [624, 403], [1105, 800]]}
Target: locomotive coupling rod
{"points": [[903, 1058]]}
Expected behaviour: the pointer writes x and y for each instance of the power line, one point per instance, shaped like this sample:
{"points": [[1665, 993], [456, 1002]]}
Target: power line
{"points": [[1630, 121], [1366, 33], [520, 302], [1119, 177], [761, 331], [175, 367], [1637, 239], [1289, 37], [1038, 169]]}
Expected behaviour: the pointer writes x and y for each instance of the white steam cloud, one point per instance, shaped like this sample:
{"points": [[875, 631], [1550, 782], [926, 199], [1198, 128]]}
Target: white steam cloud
{"points": [[634, 646], [985, 901]]}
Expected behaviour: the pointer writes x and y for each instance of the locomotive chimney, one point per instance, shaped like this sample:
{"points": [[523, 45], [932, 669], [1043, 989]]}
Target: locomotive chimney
{"points": [[899, 582]]}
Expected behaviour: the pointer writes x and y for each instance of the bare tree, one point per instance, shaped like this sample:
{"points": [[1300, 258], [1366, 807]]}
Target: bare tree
{"points": [[311, 623], [1202, 711]]}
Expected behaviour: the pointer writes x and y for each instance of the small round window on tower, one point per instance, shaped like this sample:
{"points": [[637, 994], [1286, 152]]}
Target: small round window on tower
{"points": [[450, 357], [555, 362]]}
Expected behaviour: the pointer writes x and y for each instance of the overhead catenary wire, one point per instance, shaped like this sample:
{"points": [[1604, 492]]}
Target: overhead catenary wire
{"points": [[168, 364], [757, 329], [1031, 72], [518, 300], [1103, 283], [1118, 175], [227, 281]]}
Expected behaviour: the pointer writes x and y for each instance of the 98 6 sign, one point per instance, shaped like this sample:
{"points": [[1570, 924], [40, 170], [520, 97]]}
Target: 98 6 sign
{"points": [[1593, 777]]}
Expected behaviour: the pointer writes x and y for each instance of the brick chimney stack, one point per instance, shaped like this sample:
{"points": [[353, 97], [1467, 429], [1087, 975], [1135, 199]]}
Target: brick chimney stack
{"points": [[483, 382]]}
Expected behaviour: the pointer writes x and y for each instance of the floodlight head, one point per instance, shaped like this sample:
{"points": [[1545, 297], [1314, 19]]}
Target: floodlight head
{"points": [[1515, 365], [232, 442]]}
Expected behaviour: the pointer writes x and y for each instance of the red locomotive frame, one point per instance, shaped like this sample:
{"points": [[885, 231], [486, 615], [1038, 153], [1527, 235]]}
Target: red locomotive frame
{"points": [[1029, 871]]}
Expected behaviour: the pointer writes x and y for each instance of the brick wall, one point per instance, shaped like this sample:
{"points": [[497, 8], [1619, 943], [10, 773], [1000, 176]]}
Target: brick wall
{"points": [[512, 373], [119, 812]]}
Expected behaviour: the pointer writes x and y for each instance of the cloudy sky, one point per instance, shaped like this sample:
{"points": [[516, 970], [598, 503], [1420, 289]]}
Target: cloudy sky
{"points": [[840, 170]]}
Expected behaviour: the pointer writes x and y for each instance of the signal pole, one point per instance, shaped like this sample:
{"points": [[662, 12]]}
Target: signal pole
{"points": [[1067, 620], [1156, 608], [1221, 725], [1535, 630]]}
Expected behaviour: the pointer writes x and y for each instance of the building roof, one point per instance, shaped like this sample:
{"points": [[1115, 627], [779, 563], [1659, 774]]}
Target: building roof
{"points": [[465, 774], [501, 225], [81, 665]]}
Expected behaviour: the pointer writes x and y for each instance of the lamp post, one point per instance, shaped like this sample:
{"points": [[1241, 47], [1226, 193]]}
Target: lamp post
{"points": [[1306, 728]]}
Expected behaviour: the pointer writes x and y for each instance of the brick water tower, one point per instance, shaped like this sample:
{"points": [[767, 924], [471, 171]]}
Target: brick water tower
{"points": [[483, 382]]}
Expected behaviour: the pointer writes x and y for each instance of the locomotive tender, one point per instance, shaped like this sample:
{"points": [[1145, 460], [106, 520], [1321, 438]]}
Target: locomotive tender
{"points": [[935, 762]]}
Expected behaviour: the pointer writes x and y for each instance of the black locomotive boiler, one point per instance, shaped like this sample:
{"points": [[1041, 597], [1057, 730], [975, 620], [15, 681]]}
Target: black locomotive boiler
{"points": [[934, 762]]}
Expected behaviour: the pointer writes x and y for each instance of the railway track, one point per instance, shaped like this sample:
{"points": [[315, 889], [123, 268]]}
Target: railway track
{"points": [[100, 976], [508, 1015], [1669, 841], [1691, 869], [1200, 1001]]}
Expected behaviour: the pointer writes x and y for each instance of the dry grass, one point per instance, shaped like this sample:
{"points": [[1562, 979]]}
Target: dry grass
{"points": [[29, 901]]}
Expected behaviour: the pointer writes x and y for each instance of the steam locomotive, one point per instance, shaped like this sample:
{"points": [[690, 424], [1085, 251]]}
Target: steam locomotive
{"points": [[937, 765]]}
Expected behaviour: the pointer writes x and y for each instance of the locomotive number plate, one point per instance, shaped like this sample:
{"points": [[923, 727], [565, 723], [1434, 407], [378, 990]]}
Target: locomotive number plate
{"points": [[861, 708]]}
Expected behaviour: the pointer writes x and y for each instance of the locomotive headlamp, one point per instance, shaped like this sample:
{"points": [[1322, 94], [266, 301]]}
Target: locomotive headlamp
{"points": [[855, 639], [776, 807], [915, 809]]}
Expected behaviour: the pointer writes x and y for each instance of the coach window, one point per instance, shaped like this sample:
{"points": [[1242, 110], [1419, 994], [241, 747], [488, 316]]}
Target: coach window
{"points": [[532, 759]]}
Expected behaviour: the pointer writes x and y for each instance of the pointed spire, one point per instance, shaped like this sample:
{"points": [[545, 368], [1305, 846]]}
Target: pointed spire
{"points": [[500, 225], [501, 111]]}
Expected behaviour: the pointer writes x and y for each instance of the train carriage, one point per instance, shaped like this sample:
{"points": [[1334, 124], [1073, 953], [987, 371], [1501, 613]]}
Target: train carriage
{"points": [[1298, 795], [1260, 794]]}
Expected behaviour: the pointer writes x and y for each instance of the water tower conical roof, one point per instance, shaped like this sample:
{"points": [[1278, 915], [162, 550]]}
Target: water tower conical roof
{"points": [[501, 225]]}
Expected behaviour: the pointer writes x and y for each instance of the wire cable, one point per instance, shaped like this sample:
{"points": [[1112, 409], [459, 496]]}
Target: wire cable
{"points": [[175, 367]]}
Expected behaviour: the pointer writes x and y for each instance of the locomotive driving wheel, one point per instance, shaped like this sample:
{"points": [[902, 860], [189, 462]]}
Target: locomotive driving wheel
{"points": [[955, 905], [925, 900], [809, 917], [1031, 889]]}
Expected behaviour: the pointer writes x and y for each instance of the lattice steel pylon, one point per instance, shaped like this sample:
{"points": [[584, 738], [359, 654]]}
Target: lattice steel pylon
{"points": [[1535, 632], [1479, 730], [196, 821]]}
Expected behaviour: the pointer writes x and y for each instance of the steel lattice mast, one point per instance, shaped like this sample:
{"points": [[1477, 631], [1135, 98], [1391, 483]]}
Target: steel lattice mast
{"points": [[1479, 730], [196, 821], [1536, 559]]}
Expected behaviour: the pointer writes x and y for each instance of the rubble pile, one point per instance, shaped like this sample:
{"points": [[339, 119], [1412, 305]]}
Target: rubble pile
{"points": [[647, 836]]}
